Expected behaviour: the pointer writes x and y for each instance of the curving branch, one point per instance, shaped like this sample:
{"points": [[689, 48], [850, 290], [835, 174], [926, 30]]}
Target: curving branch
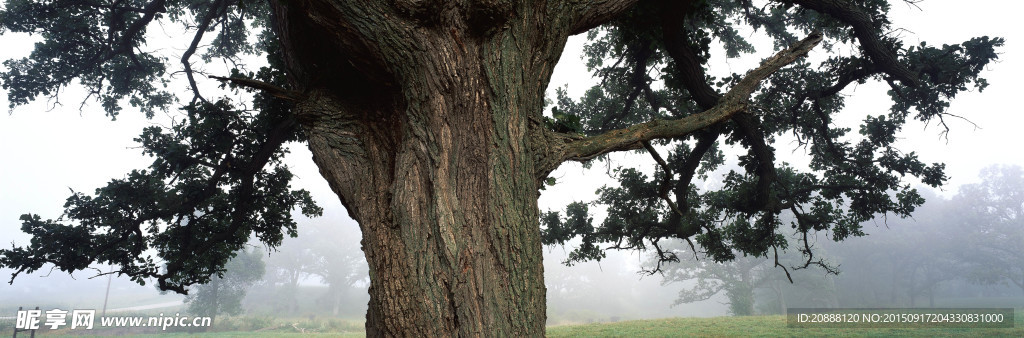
{"points": [[734, 101], [666, 181], [865, 32], [217, 8], [747, 125], [693, 78], [124, 44], [273, 90], [688, 64], [594, 13]]}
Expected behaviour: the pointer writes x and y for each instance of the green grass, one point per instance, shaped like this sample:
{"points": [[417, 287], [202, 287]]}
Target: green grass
{"points": [[753, 326], [758, 326]]}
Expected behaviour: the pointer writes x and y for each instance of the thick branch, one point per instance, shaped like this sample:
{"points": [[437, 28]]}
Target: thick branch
{"points": [[734, 101], [275, 91], [694, 78], [124, 45], [765, 156], [865, 32], [216, 9], [687, 62], [704, 144], [666, 181], [594, 13]]}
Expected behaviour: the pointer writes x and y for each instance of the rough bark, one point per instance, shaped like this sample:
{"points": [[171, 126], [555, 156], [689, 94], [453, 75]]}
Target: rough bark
{"points": [[420, 115], [425, 119]]}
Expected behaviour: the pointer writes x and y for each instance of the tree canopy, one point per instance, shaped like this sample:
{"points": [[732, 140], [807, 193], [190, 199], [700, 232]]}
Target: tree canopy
{"points": [[991, 213], [217, 176], [651, 70], [403, 102]]}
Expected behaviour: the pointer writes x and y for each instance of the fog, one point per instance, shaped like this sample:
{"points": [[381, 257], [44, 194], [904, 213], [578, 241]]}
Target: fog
{"points": [[961, 251], [963, 248]]}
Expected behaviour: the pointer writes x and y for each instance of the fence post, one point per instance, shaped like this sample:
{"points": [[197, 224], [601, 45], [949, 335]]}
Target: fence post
{"points": [[32, 334]]}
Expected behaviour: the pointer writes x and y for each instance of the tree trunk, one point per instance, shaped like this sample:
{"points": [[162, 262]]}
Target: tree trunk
{"points": [[894, 286], [833, 292], [446, 199], [741, 295], [216, 302], [425, 119], [912, 287], [931, 295], [335, 302], [781, 296]]}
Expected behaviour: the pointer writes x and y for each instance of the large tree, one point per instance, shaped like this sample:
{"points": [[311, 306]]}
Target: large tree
{"points": [[224, 293], [991, 214], [426, 118]]}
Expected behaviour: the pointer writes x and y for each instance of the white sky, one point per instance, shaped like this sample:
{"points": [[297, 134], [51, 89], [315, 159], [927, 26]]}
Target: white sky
{"points": [[997, 139], [45, 152]]}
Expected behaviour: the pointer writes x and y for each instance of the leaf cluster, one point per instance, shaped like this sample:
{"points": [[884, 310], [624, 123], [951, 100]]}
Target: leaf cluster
{"points": [[216, 179]]}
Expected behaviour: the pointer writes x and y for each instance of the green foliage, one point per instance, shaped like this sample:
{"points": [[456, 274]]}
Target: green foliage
{"points": [[102, 45], [202, 197], [852, 178], [216, 178], [944, 72], [557, 231], [562, 122]]}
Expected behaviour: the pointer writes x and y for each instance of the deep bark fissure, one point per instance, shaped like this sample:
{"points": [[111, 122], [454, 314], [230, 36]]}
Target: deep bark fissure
{"points": [[424, 118], [427, 143]]}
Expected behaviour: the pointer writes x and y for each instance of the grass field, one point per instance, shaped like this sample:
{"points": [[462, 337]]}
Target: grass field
{"points": [[759, 326]]}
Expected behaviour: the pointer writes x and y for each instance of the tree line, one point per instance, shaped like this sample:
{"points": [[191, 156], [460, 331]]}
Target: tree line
{"points": [[310, 275], [967, 250]]}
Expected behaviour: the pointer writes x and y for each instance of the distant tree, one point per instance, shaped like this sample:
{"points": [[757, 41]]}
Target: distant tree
{"points": [[320, 253], [341, 267], [901, 261], [737, 279], [992, 215], [921, 251], [809, 288], [741, 279], [224, 293], [868, 272], [290, 264]]}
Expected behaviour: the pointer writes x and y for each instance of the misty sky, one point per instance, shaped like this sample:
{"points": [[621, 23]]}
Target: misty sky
{"points": [[48, 147]]}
